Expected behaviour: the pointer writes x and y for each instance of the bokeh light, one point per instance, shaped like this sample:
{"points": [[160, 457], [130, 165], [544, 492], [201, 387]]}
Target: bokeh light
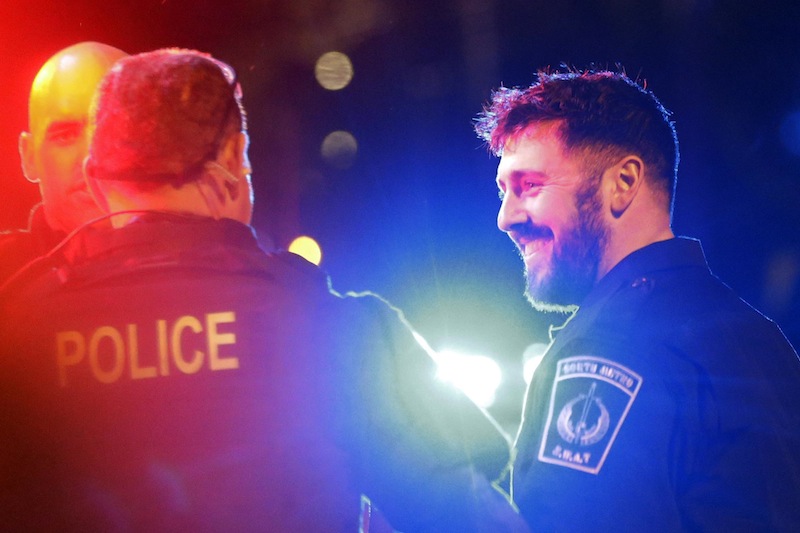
{"points": [[339, 149], [333, 71], [306, 247]]}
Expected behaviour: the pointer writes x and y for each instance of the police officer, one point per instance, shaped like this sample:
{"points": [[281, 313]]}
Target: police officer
{"points": [[171, 376], [665, 401], [52, 152]]}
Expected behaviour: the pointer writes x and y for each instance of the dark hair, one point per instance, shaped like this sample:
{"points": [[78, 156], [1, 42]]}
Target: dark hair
{"points": [[601, 111], [160, 116]]}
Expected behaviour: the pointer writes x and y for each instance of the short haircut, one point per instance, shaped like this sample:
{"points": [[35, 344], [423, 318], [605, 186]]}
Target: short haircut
{"points": [[599, 111], [160, 116]]}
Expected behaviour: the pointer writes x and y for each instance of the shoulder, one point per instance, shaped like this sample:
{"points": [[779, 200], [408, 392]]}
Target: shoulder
{"points": [[683, 327], [696, 308], [688, 331], [292, 266], [683, 304], [17, 248], [11, 240]]}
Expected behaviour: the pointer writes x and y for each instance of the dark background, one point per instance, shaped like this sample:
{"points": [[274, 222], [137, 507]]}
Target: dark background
{"points": [[413, 217]]}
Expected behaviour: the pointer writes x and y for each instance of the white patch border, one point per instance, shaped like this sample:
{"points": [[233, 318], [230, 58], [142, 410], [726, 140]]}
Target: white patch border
{"points": [[546, 459]]}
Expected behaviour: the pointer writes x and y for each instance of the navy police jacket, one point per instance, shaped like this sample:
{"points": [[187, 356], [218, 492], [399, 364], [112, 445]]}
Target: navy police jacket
{"points": [[19, 247], [171, 376], [665, 403]]}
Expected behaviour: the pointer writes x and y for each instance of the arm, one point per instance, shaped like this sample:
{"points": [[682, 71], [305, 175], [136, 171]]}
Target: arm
{"points": [[426, 452]]}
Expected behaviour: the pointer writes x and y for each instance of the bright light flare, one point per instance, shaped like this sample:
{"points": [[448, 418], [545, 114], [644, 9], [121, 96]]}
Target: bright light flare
{"points": [[307, 248], [478, 376]]}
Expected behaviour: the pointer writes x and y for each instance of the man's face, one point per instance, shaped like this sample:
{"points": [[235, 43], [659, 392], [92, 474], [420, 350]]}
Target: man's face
{"points": [[54, 149], [552, 210]]}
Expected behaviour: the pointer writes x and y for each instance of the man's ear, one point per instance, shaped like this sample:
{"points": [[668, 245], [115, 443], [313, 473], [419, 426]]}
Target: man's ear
{"points": [[230, 172], [25, 146], [89, 173], [233, 155], [626, 178], [233, 163]]}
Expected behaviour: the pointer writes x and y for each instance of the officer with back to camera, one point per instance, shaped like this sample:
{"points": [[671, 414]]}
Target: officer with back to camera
{"points": [[170, 375]]}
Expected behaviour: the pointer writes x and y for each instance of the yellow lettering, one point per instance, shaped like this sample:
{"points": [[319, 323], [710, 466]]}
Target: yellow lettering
{"points": [[112, 375], [187, 367], [215, 339], [65, 357], [112, 353], [137, 372], [163, 350]]}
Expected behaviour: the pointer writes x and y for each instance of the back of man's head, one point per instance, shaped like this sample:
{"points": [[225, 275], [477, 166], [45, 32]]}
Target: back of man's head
{"points": [[161, 115], [169, 135]]}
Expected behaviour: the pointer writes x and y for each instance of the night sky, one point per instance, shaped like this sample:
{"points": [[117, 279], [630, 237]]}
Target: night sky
{"points": [[413, 216]]}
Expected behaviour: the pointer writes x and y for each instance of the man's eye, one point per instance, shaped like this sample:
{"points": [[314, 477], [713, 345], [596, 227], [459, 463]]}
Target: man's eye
{"points": [[501, 194], [529, 185], [64, 134]]}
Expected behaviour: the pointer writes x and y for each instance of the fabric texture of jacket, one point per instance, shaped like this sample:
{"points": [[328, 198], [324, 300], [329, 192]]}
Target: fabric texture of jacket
{"points": [[172, 376], [665, 402], [19, 247]]}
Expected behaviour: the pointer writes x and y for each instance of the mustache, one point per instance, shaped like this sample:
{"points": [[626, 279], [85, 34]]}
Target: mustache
{"points": [[529, 231]]}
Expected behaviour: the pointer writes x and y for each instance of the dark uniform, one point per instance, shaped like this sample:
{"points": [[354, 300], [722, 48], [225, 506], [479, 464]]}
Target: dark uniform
{"points": [[174, 377], [665, 404], [19, 247]]}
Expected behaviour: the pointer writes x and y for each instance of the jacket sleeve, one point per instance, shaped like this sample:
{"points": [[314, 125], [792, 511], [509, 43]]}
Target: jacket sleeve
{"points": [[425, 452]]}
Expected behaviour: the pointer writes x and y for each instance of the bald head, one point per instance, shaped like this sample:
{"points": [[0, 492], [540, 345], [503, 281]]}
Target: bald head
{"points": [[53, 148]]}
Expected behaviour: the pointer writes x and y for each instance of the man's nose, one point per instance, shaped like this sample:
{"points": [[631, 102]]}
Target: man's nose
{"points": [[511, 213]]}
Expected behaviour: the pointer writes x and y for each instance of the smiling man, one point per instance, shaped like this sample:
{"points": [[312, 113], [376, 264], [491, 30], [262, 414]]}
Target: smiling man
{"points": [[562, 249], [665, 400], [52, 152]]}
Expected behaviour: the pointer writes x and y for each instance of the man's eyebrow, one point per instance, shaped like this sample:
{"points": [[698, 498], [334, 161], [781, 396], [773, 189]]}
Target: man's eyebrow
{"points": [[519, 174], [527, 173], [65, 124]]}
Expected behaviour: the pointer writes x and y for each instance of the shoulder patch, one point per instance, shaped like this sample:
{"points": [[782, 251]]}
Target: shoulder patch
{"points": [[590, 400]]}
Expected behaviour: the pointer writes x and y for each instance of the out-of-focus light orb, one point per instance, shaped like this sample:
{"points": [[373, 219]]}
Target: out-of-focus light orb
{"points": [[531, 358], [339, 149], [790, 132], [478, 376], [307, 248], [333, 71]]}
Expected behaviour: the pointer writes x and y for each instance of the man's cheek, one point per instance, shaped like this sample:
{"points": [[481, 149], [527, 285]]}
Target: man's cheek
{"points": [[62, 166]]}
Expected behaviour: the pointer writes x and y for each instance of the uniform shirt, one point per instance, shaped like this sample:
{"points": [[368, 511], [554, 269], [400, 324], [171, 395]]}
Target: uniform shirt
{"points": [[666, 403], [173, 377], [19, 247]]}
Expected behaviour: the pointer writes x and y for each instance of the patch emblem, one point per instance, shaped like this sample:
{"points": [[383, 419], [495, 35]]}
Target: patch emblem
{"points": [[591, 398]]}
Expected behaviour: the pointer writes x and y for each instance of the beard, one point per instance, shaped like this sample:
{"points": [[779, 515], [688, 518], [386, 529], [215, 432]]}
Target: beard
{"points": [[575, 259]]}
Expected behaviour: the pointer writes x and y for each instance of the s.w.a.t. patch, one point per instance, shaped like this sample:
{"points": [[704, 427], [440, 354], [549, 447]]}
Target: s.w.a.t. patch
{"points": [[590, 399]]}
